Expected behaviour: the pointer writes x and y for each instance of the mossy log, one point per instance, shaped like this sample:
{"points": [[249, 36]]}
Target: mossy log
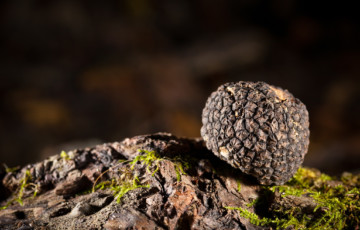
{"points": [[160, 181]]}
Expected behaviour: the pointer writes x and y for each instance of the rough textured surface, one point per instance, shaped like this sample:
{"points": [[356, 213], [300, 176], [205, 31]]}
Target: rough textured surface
{"points": [[203, 197], [196, 201], [258, 128]]}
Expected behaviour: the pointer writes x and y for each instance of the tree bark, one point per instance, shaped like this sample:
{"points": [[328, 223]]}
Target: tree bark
{"points": [[166, 196]]}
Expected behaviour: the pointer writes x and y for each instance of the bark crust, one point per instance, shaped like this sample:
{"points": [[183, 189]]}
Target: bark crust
{"points": [[196, 200]]}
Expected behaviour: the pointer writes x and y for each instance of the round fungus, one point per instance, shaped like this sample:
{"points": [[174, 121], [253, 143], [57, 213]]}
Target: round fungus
{"points": [[258, 128]]}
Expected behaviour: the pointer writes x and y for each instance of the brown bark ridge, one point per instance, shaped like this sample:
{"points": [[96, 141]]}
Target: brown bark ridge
{"points": [[166, 198]]}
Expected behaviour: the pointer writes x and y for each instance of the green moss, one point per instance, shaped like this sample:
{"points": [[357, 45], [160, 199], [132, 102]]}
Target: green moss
{"points": [[121, 189], [12, 169], [180, 166], [278, 223], [129, 181], [65, 156], [238, 182], [252, 203], [121, 186], [25, 183], [149, 159], [338, 206], [350, 179]]}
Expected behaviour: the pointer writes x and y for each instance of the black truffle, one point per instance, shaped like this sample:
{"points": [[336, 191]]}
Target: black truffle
{"points": [[258, 128]]}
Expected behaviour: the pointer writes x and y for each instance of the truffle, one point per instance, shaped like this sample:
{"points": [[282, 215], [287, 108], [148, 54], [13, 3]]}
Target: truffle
{"points": [[258, 128]]}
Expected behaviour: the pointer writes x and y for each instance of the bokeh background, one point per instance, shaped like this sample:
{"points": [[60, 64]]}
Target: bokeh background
{"points": [[80, 73]]}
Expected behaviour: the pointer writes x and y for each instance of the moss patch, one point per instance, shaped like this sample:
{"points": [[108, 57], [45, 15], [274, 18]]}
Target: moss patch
{"points": [[338, 203], [129, 180], [65, 156], [148, 159], [25, 184], [122, 185], [282, 223], [180, 166], [12, 169]]}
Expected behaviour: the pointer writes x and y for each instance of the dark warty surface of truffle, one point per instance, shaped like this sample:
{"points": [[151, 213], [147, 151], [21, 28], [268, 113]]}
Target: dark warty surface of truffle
{"points": [[258, 128]]}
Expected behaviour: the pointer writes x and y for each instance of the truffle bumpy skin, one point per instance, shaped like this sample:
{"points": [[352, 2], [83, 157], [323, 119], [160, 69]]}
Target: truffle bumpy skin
{"points": [[258, 128]]}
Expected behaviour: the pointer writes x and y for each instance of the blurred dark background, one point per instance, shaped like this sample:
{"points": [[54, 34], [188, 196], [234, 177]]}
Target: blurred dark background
{"points": [[79, 73]]}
